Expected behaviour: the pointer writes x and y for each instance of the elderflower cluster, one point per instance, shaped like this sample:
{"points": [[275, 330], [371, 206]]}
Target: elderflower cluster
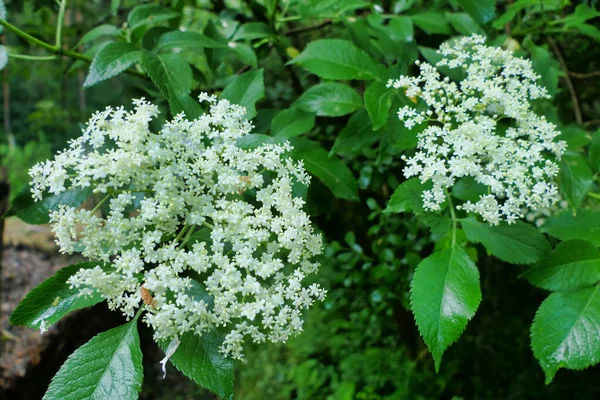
{"points": [[208, 235], [482, 127]]}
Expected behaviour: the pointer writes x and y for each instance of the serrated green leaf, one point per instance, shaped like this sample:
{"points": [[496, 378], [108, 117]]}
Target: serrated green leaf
{"points": [[330, 170], [517, 243], [438, 224], [252, 30], [571, 265], [564, 333], [408, 197], [108, 367], [246, 89], [146, 14], [110, 61], [329, 100], [37, 213], [53, 299], [291, 123], [594, 153], [482, 10], [432, 22], [97, 32], [585, 226], [186, 40], [468, 188], [444, 296], [339, 59], [356, 136], [463, 23], [199, 359], [378, 100], [576, 178], [245, 54]]}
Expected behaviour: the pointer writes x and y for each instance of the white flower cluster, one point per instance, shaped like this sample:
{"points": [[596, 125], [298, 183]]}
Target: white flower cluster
{"points": [[161, 191], [482, 127]]}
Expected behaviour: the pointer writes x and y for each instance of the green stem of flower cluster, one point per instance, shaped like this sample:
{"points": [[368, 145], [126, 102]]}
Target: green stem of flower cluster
{"points": [[60, 22], [454, 219], [100, 203]]}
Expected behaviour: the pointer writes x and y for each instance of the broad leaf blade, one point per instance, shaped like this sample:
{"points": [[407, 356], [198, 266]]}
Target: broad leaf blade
{"points": [[356, 136], [330, 100], [246, 89], [378, 100], [291, 123], [517, 243], [407, 197], [575, 178], [444, 296], [565, 331], [585, 226], [571, 265], [108, 367], [186, 40], [53, 299], [110, 61]]}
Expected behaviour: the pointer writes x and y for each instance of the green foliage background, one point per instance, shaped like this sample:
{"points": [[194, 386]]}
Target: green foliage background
{"points": [[362, 342]]}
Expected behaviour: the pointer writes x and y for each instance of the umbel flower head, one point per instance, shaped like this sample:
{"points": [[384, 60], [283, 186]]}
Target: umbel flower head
{"points": [[482, 127], [208, 235]]}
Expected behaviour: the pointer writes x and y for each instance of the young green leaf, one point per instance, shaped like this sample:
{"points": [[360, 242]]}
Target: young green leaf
{"points": [[356, 136], [110, 61], [571, 265], [564, 333], [444, 296], [53, 299], [339, 59], [199, 358], [575, 178], [517, 243], [246, 89], [37, 213], [585, 226], [329, 100], [378, 100], [108, 367], [331, 171], [408, 197], [291, 123]]}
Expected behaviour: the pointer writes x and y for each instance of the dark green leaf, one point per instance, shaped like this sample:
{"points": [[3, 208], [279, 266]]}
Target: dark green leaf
{"points": [[408, 197], [432, 22], [463, 23], [571, 265], [401, 29], [113, 59], [108, 367], [149, 14], [291, 123], [331, 171], [468, 188], [186, 40], [37, 213], [356, 136], [564, 333], [482, 10], [585, 226], [339, 59], [255, 140], [517, 243], [330, 100], [98, 32], [245, 54], [433, 57], [52, 299], [378, 100], [199, 358], [545, 65], [444, 296], [575, 178], [246, 89], [595, 152], [252, 30]]}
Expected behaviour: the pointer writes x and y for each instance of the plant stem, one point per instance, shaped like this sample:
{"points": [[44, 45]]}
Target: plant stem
{"points": [[100, 203], [454, 219], [59, 23], [28, 57], [594, 195], [181, 232]]}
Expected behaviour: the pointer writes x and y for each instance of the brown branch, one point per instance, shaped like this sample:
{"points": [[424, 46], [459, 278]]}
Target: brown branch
{"points": [[592, 122], [563, 66], [587, 75], [304, 29]]}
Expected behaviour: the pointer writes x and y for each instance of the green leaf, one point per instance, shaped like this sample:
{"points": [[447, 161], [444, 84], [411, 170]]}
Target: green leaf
{"points": [[149, 14], [255, 140], [545, 65], [339, 59], [330, 100], [3, 57], [108, 367], [110, 61], [53, 299], [37, 213], [564, 333], [444, 296], [432, 22], [468, 188], [246, 89], [291, 123], [97, 32], [252, 30], [356, 136], [576, 178], [199, 358], [517, 243], [245, 54], [571, 265], [463, 23], [186, 40], [433, 57], [401, 28], [594, 153], [408, 197], [482, 10], [172, 75], [585, 226], [378, 100], [331, 171]]}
